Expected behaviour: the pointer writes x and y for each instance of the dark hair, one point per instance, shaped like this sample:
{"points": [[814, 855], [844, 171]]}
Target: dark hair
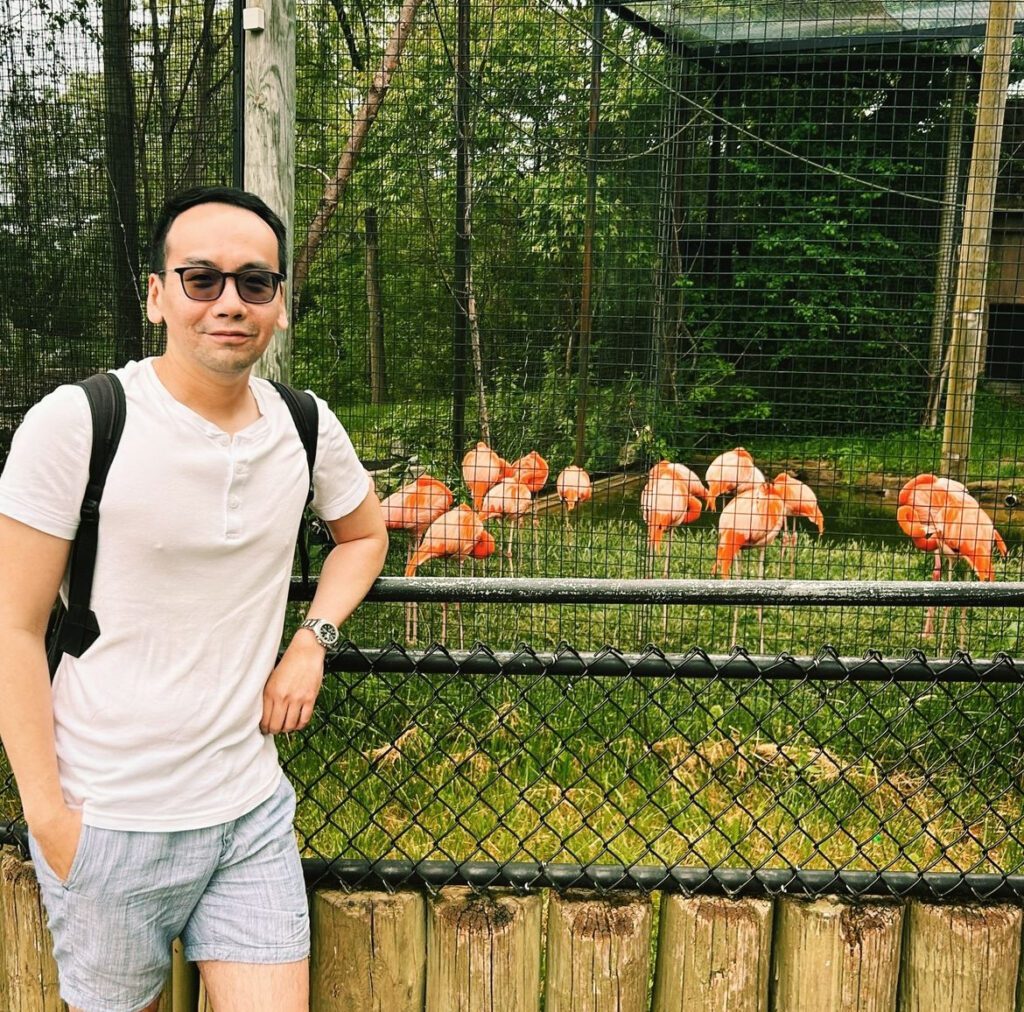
{"points": [[174, 205]]}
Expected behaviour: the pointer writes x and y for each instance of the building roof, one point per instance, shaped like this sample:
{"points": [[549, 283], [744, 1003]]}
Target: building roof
{"points": [[771, 22]]}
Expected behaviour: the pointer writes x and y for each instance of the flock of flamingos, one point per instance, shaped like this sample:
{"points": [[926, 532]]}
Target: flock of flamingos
{"points": [[938, 514]]}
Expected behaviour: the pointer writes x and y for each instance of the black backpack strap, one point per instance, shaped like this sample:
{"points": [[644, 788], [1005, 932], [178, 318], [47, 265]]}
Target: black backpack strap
{"points": [[74, 632], [306, 416]]}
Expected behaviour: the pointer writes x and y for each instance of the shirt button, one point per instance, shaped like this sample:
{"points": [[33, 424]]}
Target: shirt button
{"points": [[234, 502]]}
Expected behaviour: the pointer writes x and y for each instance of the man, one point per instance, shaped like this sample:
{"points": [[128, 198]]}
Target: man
{"points": [[149, 778]]}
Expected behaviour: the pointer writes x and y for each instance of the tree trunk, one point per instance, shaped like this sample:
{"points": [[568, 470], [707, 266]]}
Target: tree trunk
{"points": [[119, 94], [375, 310], [472, 317], [335, 188]]}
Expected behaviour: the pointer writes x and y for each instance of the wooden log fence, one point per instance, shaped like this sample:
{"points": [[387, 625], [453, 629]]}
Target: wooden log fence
{"points": [[460, 951]]}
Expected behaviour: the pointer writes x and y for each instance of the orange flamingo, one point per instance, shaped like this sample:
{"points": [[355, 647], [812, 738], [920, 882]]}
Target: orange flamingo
{"points": [[532, 470], [573, 484], [482, 468], [939, 515], [751, 520], [800, 501], [666, 503], [460, 534], [413, 508], [732, 471], [694, 486], [509, 498]]}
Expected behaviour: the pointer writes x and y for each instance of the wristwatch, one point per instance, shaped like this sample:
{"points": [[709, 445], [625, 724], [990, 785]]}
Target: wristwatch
{"points": [[325, 632]]}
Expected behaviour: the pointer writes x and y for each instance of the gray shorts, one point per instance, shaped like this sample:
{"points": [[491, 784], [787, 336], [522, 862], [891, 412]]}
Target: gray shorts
{"points": [[231, 892]]}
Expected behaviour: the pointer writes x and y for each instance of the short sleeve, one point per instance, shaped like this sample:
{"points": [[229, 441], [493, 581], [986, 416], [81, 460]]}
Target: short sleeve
{"points": [[44, 479], [340, 482]]}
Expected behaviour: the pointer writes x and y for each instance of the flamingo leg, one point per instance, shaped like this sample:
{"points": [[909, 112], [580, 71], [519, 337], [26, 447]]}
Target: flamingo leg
{"points": [[668, 557], [929, 615], [536, 530], [508, 546], [792, 553], [760, 608], [410, 606], [458, 611], [736, 608]]}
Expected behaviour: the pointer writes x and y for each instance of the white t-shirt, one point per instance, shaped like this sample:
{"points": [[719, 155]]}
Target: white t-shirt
{"points": [[157, 723]]}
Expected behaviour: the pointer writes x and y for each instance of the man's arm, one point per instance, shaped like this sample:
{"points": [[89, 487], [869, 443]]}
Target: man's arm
{"points": [[361, 545], [31, 567]]}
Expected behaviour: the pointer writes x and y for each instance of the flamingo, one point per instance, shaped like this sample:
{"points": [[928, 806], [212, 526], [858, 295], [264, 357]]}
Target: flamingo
{"points": [[573, 485], [732, 471], [460, 534], [694, 486], [800, 501], [939, 515], [752, 520], [666, 503], [509, 498], [413, 508], [532, 470], [482, 468]]}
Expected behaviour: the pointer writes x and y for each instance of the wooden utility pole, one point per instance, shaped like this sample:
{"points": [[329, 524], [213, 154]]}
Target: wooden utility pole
{"points": [[946, 260], [970, 307], [269, 172]]}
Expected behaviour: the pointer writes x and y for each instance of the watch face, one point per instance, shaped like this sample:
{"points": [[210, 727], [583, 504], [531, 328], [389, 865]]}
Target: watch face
{"points": [[327, 633]]}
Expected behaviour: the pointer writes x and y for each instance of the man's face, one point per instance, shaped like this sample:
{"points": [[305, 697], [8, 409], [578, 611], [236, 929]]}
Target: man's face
{"points": [[226, 335]]}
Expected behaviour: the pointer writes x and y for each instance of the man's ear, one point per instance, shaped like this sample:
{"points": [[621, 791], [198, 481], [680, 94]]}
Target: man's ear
{"points": [[154, 290], [282, 317]]}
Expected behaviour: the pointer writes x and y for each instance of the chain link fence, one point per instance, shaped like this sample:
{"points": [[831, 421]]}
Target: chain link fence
{"points": [[612, 234]]}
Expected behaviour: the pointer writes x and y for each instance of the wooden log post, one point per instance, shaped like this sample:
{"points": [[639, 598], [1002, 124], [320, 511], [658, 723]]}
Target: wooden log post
{"points": [[961, 958], [483, 953], [714, 955], [369, 952], [836, 955], [181, 994], [598, 953], [26, 948], [270, 136]]}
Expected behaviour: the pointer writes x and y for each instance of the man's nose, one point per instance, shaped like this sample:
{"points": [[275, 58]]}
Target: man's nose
{"points": [[229, 302]]}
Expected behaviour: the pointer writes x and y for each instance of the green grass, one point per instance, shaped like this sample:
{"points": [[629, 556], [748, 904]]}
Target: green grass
{"points": [[613, 544], [641, 770], [698, 772], [997, 450]]}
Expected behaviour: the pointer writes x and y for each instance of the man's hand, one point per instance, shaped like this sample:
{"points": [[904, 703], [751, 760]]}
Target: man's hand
{"points": [[292, 688], [58, 838]]}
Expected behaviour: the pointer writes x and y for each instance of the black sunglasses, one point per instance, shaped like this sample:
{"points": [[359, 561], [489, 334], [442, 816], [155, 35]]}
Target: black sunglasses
{"points": [[205, 284]]}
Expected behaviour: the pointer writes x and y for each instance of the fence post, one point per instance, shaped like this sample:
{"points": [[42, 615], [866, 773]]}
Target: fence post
{"points": [[714, 955], [483, 953], [369, 951], [598, 953], [26, 948], [961, 958], [831, 954]]}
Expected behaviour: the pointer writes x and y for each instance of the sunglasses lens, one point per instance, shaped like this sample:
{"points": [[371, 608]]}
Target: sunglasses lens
{"points": [[202, 283], [257, 286]]}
